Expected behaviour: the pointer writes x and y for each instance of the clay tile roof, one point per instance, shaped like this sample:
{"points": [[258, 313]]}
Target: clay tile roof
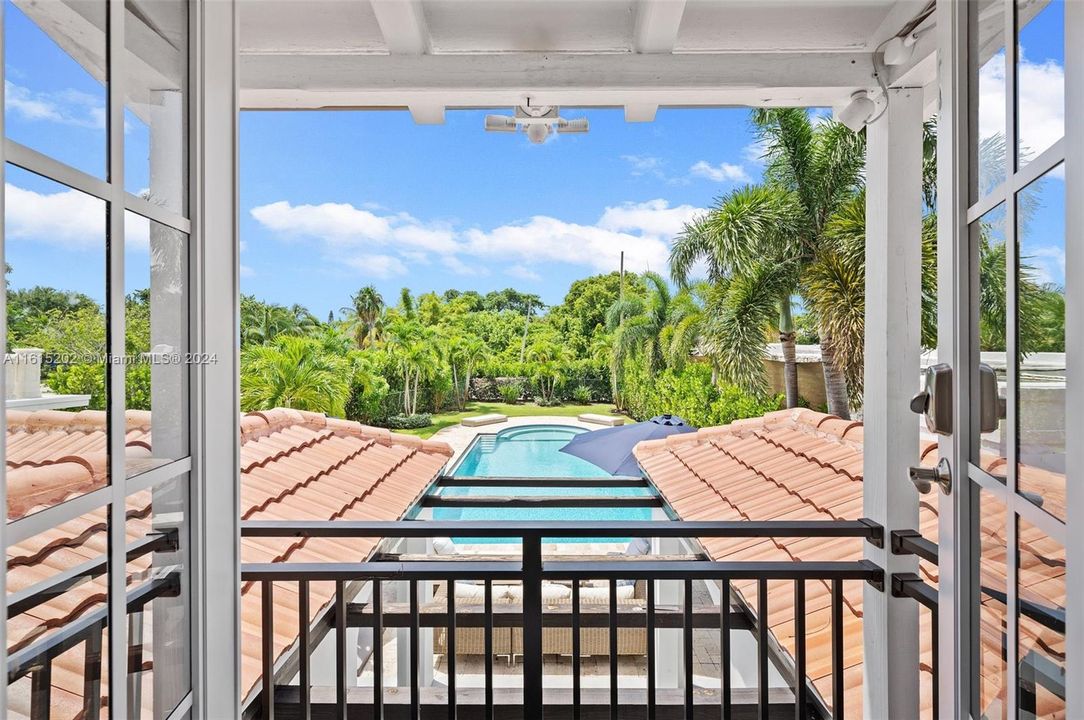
{"points": [[295, 465], [805, 465]]}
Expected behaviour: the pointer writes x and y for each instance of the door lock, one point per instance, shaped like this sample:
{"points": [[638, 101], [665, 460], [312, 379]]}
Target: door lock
{"points": [[924, 478]]}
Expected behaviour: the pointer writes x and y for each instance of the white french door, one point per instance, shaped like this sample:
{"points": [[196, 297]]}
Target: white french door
{"points": [[1008, 240]]}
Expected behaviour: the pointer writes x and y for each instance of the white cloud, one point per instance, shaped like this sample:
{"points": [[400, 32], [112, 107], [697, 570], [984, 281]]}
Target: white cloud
{"points": [[1042, 101], [377, 266], [754, 152], [522, 272], [642, 230], [68, 107], [459, 267], [643, 164], [68, 218], [247, 271], [1047, 264], [723, 172]]}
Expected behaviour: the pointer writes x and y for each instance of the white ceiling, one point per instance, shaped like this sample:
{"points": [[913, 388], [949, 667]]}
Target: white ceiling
{"points": [[432, 54]]}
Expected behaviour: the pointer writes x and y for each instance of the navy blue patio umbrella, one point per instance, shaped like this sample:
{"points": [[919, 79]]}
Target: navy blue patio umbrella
{"points": [[611, 448]]}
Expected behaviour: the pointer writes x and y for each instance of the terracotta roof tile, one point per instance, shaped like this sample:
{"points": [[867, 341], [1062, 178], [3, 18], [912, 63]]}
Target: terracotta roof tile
{"points": [[804, 465], [294, 465]]}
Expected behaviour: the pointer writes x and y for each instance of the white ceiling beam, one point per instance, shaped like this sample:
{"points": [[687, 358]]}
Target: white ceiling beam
{"points": [[657, 23], [402, 22], [491, 80], [427, 113]]}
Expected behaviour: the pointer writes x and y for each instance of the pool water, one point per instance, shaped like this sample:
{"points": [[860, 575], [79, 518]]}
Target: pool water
{"points": [[533, 451], [529, 451]]}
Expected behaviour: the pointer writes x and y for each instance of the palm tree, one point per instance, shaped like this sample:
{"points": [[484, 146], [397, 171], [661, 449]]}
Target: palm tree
{"points": [[364, 314], [548, 357], [760, 241], [293, 372]]}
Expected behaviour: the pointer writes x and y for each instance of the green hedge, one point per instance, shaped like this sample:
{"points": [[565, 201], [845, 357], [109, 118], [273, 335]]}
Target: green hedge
{"points": [[410, 422], [690, 394]]}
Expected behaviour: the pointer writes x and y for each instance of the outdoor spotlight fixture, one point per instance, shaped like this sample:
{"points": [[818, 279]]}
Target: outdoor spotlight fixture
{"points": [[537, 121], [857, 112]]}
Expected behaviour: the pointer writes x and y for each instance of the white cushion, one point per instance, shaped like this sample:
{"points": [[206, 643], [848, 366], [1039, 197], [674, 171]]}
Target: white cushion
{"points": [[636, 546], [624, 592], [550, 591], [469, 590], [443, 546]]}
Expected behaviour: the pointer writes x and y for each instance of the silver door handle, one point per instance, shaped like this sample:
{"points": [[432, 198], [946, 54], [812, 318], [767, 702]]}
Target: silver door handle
{"points": [[924, 478]]}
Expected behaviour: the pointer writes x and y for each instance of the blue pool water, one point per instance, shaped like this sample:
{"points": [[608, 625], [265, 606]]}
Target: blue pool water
{"points": [[529, 451], [533, 451]]}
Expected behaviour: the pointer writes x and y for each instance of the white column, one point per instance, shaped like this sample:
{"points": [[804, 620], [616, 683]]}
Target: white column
{"points": [[215, 454], [892, 348]]}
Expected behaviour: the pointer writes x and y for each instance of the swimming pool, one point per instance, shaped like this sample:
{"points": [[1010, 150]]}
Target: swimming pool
{"points": [[533, 451], [527, 451]]}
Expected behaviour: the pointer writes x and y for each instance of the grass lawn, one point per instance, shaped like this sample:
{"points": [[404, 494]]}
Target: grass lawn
{"points": [[443, 420]]}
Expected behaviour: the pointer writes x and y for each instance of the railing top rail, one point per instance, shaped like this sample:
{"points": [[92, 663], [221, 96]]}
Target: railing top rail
{"points": [[578, 570], [536, 529]]}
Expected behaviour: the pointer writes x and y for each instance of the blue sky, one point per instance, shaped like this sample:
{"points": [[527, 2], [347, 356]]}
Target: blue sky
{"points": [[334, 200]]}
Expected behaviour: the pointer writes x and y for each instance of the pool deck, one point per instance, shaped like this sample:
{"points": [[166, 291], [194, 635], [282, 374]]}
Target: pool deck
{"points": [[460, 436]]}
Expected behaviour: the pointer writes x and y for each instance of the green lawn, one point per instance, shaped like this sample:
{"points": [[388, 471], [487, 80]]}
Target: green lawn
{"points": [[443, 420]]}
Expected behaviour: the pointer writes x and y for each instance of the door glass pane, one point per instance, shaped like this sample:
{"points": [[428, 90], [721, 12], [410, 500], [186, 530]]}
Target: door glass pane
{"points": [[992, 573], [1040, 76], [55, 355], [989, 329], [54, 80], [1041, 657], [156, 102], [159, 633], [1041, 321], [156, 329], [988, 74], [80, 675]]}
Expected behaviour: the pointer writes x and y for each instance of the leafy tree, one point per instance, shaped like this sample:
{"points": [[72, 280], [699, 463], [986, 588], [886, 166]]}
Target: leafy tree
{"points": [[294, 372], [364, 316], [760, 241], [514, 300]]}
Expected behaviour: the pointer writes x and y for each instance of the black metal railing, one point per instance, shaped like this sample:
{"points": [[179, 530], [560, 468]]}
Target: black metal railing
{"points": [[911, 542], [530, 569]]}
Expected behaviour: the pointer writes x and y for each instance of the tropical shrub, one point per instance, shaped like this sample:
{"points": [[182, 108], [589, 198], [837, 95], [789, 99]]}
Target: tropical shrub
{"points": [[542, 401], [510, 392], [294, 372], [410, 422], [690, 394], [581, 394]]}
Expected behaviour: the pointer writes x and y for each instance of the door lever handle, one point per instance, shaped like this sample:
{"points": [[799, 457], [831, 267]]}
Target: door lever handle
{"points": [[924, 478]]}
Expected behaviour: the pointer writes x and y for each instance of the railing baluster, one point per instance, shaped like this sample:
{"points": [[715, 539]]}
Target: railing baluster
{"points": [[650, 649], [724, 647], [340, 650], [268, 650], [92, 673], [762, 649], [613, 649], [41, 689], [837, 649], [135, 663], [303, 648], [799, 650], [378, 650], [451, 649], [575, 650], [415, 621], [687, 648], [489, 648], [532, 627]]}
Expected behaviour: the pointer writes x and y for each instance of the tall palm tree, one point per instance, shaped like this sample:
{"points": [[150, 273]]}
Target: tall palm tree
{"points": [[641, 325], [760, 241], [293, 372], [363, 315]]}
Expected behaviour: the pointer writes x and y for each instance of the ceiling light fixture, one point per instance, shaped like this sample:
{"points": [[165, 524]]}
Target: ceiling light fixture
{"points": [[857, 112], [537, 121]]}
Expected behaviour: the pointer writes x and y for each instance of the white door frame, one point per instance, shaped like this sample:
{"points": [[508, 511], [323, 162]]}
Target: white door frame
{"points": [[957, 292]]}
